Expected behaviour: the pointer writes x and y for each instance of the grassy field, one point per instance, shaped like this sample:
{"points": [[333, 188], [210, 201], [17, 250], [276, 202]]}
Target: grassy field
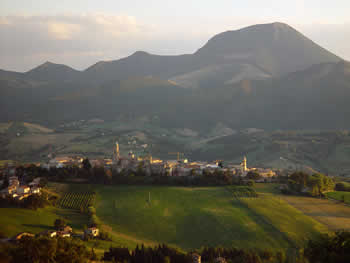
{"points": [[334, 215], [190, 218], [195, 217], [340, 196], [16, 220]]}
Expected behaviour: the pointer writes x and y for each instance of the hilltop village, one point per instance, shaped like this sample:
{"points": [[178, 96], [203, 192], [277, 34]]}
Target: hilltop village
{"points": [[128, 165], [149, 165]]}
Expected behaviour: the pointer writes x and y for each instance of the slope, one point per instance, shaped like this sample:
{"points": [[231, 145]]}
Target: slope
{"points": [[194, 217]]}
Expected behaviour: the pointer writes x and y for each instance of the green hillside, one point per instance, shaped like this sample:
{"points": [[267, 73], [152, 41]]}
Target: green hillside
{"points": [[340, 196], [195, 217], [16, 220]]}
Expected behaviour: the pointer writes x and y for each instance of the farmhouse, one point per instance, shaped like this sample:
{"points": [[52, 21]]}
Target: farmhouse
{"points": [[63, 234], [196, 258], [22, 196], [8, 191], [21, 235], [35, 182], [23, 189], [48, 233], [13, 180], [35, 190], [220, 260], [92, 231], [66, 229]]}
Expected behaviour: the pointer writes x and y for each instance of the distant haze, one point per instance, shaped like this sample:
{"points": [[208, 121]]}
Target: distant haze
{"points": [[80, 33]]}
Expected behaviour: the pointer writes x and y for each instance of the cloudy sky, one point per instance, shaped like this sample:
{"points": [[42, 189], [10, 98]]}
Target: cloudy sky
{"points": [[79, 33]]}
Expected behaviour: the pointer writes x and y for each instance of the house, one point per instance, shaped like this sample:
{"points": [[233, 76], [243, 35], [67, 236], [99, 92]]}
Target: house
{"points": [[23, 189], [8, 191], [63, 234], [35, 190], [21, 235], [92, 231], [220, 260], [196, 258], [48, 233], [21, 196], [13, 180], [66, 229], [35, 182]]}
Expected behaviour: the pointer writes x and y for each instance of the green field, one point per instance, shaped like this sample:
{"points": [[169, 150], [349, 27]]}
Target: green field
{"points": [[190, 218], [16, 220], [340, 196], [195, 217]]}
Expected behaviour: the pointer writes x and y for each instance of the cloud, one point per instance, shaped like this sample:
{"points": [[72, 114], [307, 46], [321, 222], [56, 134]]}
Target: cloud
{"points": [[25, 39], [63, 31]]}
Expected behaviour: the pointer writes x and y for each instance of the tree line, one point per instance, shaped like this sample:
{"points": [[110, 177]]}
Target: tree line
{"points": [[100, 175], [314, 185], [327, 248]]}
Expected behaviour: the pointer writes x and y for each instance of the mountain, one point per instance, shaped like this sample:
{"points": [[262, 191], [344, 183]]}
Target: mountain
{"points": [[265, 76], [255, 52], [52, 72], [139, 64], [10, 75], [315, 98], [275, 48]]}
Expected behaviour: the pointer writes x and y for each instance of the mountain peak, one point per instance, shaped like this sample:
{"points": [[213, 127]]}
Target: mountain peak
{"points": [[276, 47], [140, 53], [49, 71]]}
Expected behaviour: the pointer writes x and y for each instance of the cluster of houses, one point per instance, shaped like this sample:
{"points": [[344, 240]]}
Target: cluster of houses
{"points": [[182, 167], [149, 165], [18, 191], [196, 258], [67, 231], [63, 161], [64, 232]]}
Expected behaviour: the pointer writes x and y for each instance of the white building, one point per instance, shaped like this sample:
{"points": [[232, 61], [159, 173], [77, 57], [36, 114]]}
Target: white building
{"points": [[23, 189]]}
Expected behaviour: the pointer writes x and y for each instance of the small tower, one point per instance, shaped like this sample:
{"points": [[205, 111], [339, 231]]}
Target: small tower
{"points": [[244, 164], [116, 152]]}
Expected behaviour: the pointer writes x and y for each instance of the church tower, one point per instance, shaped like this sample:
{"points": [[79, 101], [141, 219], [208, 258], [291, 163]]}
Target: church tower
{"points": [[244, 164], [117, 154]]}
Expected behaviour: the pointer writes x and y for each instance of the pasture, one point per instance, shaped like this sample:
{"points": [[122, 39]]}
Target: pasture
{"points": [[191, 218], [340, 196], [334, 215], [16, 220]]}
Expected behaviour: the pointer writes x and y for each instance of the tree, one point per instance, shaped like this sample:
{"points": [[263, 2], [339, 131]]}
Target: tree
{"points": [[43, 182], [329, 248], [86, 164], [253, 175], [60, 223], [251, 183], [5, 184]]}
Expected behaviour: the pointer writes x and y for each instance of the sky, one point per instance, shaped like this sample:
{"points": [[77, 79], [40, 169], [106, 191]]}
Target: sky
{"points": [[80, 33]]}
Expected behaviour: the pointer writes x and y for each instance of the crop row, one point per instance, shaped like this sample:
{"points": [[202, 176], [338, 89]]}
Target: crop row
{"points": [[78, 201]]}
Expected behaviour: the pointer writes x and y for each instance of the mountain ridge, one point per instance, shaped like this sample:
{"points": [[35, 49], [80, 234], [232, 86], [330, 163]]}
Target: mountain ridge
{"points": [[264, 76], [274, 49]]}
